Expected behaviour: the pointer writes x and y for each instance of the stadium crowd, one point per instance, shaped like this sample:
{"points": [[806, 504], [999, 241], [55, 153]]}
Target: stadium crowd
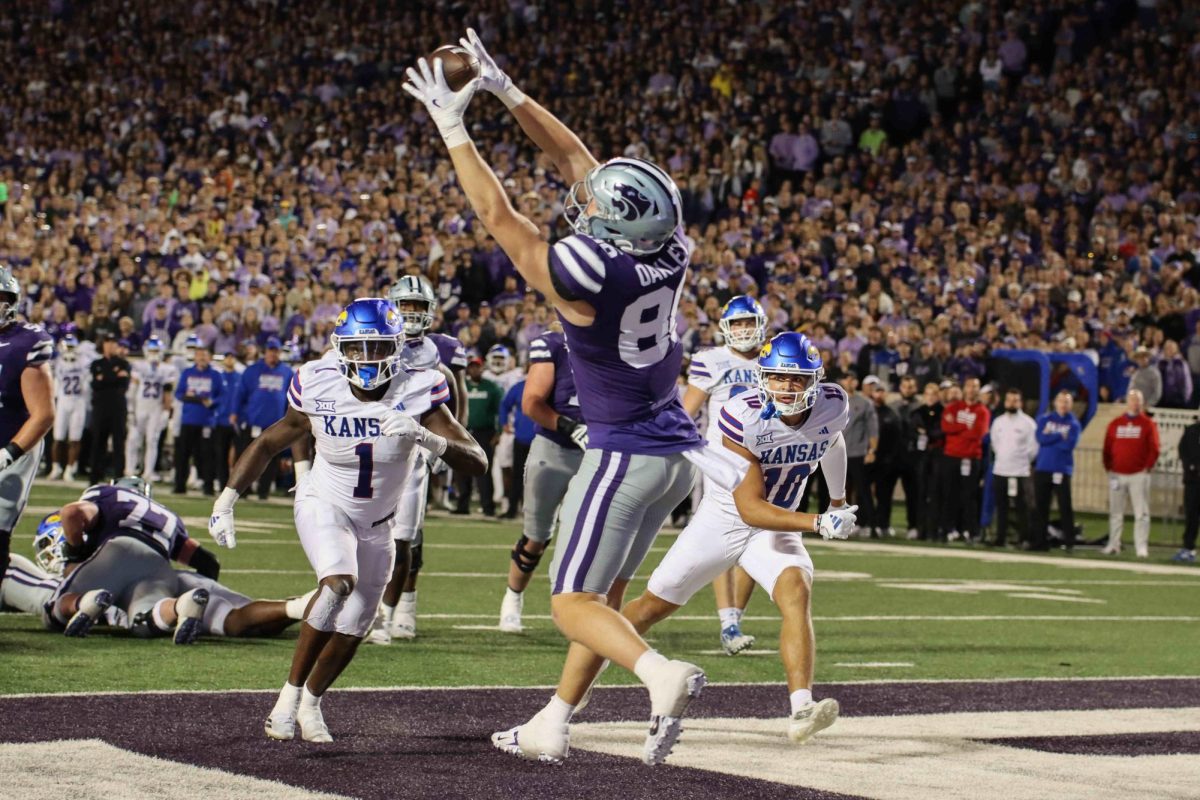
{"points": [[911, 186]]}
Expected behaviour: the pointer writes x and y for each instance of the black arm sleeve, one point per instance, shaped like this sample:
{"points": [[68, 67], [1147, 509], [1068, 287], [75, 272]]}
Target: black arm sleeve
{"points": [[205, 563]]}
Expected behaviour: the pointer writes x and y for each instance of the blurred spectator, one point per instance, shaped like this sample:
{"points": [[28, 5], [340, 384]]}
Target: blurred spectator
{"points": [[1189, 458], [1057, 435], [483, 414], [1147, 379], [862, 439], [224, 437], [889, 451], [261, 401], [1131, 448], [200, 390], [1014, 442], [907, 406], [513, 420], [965, 422], [928, 442], [1176, 378], [110, 384]]}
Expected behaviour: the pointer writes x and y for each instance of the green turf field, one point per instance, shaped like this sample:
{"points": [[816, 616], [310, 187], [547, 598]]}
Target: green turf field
{"points": [[912, 611]]}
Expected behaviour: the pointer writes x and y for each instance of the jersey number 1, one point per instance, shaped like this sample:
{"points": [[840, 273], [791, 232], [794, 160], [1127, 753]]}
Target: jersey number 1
{"points": [[366, 464]]}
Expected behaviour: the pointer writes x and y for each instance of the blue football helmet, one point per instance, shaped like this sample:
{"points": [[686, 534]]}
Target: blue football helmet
{"points": [[743, 339], [69, 347], [497, 359], [626, 201], [189, 349], [367, 339], [9, 285], [789, 354], [415, 290], [154, 348], [48, 544]]}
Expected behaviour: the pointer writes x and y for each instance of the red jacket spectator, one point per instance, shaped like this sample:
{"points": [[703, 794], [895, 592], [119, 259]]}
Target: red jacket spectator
{"points": [[1131, 444], [965, 424]]}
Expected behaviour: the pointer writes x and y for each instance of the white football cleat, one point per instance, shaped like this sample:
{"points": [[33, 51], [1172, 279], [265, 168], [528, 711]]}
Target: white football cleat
{"points": [[312, 725], [1111, 550], [733, 641], [379, 631], [281, 725], [812, 719], [1143, 552], [68, 474], [403, 625], [536, 740], [510, 612], [676, 684], [56, 473], [189, 609]]}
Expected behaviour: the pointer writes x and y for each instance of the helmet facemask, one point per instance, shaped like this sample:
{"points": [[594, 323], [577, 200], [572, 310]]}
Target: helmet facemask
{"points": [[416, 322], [48, 545], [497, 361], [8, 308], [367, 361], [790, 400], [744, 338]]}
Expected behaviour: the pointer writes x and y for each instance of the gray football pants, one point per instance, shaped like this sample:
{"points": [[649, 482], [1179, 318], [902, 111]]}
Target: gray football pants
{"points": [[615, 506], [135, 573], [548, 472]]}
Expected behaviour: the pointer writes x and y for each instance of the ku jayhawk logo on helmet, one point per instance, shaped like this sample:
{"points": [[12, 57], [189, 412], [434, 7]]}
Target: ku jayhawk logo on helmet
{"points": [[392, 317], [766, 350], [813, 352], [341, 319], [633, 204]]}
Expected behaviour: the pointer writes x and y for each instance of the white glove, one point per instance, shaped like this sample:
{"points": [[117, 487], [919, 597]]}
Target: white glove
{"points": [[401, 425], [6, 458], [446, 108], [837, 523], [220, 524], [579, 437], [492, 78]]}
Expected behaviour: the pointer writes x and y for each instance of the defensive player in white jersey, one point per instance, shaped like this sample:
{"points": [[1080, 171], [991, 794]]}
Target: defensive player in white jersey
{"points": [[152, 386], [783, 431], [500, 367], [72, 398], [716, 375], [366, 414], [414, 300]]}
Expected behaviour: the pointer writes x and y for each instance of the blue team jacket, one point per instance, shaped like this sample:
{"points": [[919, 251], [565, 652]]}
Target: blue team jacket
{"points": [[206, 383], [1056, 451], [523, 427], [262, 394]]}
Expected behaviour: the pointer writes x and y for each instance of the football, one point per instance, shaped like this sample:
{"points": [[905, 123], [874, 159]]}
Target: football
{"points": [[459, 66]]}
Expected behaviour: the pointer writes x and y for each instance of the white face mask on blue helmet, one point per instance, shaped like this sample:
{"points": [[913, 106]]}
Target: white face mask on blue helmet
{"points": [[789, 354], [627, 202], [743, 338], [367, 339]]}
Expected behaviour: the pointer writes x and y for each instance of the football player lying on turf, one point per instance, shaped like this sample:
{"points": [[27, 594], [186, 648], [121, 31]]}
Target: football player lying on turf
{"points": [[367, 414], [783, 431], [228, 613], [118, 545]]}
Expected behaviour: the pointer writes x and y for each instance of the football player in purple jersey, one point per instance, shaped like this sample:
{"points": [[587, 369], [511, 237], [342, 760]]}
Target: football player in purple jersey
{"points": [[615, 284], [26, 407]]}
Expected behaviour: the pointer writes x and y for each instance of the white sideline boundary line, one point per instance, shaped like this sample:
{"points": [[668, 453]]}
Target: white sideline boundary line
{"points": [[548, 687]]}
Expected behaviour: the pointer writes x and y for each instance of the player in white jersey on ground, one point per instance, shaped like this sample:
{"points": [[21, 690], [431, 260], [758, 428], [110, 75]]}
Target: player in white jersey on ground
{"points": [[500, 367], [414, 300], [367, 414], [716, 375], [72, 398], [152, 386], [783, 431]]}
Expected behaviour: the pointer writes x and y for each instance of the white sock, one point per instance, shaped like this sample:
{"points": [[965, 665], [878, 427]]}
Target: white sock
{"points": [[289, 699], [387, 611], [557, 711], [309, 700], [509, 594], [729, 616], [800, 698], [647, 663], [408, 601], [296, 607]]}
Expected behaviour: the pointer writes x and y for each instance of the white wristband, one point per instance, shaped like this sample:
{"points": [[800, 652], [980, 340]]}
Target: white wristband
{"points": [[301, 469], [226, 501], [511, 97], [433, 443], [455, 135]]}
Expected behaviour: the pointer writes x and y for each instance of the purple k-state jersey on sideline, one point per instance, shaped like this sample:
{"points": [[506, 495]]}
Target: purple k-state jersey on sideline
{"points": [[124, 512], [551, 348], [627, 361], [450, 350], [21, 346]]}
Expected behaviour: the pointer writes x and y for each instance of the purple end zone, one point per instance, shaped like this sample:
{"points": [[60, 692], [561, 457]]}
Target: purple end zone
{"points": [[434, 744], [1125, 744]]}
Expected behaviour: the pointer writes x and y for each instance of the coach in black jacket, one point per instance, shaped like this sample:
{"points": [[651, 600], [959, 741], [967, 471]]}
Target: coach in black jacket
{"points": [[1189, 456]]}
